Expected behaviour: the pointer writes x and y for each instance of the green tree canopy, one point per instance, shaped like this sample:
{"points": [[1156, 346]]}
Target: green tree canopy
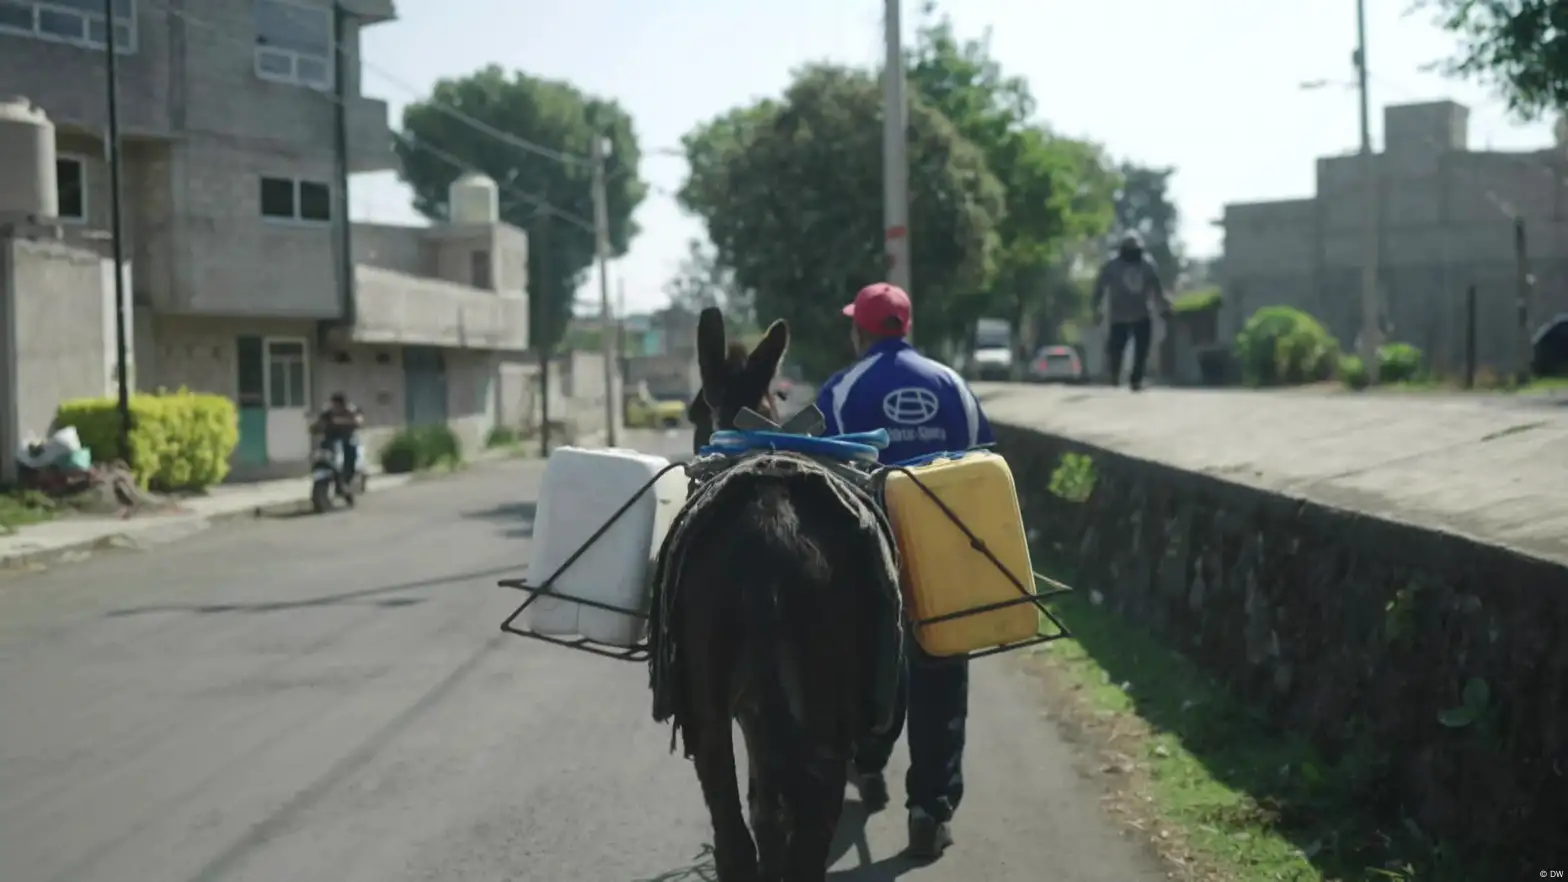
{"points": [[791, 193], [1057, 190], [557, 117], [702, 281], [1520, 46]]}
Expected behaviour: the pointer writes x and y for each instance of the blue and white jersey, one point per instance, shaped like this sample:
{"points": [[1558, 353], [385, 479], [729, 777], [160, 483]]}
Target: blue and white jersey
{"points": [[924, 405]]}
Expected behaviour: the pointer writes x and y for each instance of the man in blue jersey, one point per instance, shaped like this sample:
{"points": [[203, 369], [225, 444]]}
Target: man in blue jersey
{"points": [[926, 408]]}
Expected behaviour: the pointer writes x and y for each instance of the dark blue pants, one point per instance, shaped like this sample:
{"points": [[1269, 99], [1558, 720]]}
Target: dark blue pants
{"points": [[933, 701]]}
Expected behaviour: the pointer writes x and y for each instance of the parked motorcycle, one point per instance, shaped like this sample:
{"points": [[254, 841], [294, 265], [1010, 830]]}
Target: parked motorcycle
{"points": [[327, 478]]}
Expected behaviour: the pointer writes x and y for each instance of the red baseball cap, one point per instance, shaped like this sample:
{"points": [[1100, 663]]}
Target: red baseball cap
{"points": [[881, 309]]}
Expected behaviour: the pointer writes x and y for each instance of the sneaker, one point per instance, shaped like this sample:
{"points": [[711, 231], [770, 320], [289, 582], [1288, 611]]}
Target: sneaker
{"points": [[873, 790], [1136, 385], [928, 837]]}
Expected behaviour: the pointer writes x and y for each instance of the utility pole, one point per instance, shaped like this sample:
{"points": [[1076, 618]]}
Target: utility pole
{"points": [[601, 225], [344, 229], [620, 328], [540, 251], [1370, 330], [112, 147], [1526, 282], [1470, 337], [895, 152]]}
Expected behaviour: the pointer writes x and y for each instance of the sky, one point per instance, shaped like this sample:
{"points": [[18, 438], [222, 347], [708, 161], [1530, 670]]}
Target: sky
{"points": [[1211, 87]]}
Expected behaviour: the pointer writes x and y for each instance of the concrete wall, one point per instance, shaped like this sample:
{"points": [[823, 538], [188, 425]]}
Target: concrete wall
{"points": [[1351, 630], [200, 354], [403, 309], [192, 70], [57, 336], [202, 129], [667, 376], [1446, 223], [576, 387]]}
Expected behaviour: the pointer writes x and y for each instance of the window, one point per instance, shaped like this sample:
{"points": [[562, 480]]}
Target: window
{"points": [[70, 176], [295, 200], [315, 201], [293, 43], [78, 22], [286, 375], [480, 270]]}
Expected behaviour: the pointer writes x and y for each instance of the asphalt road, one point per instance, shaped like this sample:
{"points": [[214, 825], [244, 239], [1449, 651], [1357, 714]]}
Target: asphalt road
{"points": [[328, 699]]}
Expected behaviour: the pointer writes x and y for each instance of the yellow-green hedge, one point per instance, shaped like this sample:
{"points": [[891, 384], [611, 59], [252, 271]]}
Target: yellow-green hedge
{"points": [[179, 440]]}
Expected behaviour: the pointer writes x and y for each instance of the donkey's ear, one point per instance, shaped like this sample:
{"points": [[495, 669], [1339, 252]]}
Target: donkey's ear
{"points": [[766, 357], [697, 410], [711, 348]]}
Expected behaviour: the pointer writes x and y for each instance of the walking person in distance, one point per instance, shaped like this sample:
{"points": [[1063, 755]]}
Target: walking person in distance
{"points": [[1131, 284]]}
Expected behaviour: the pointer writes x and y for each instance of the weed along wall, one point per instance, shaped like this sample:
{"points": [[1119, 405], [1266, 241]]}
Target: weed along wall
{"points": [[1441, 662]]}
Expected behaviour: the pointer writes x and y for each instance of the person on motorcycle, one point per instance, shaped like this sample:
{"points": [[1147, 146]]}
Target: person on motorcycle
{"points": [[933, 700], [340, 422], [1132, 284]]}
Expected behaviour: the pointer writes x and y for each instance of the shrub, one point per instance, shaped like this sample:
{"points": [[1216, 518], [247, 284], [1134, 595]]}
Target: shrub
{"points": [[421, 447], [1397, 363], [1205, 300], [1353, 372], [1400, 363], [502, 436], [179, 441], [1281, 346]]}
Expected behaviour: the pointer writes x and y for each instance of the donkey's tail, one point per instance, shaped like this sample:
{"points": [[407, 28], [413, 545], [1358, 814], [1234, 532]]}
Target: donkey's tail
{"points": [[785, 567]]}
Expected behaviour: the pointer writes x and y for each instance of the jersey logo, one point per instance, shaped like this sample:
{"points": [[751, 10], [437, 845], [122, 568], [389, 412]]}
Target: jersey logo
{"points": [[910, 406], [1132, 279]]}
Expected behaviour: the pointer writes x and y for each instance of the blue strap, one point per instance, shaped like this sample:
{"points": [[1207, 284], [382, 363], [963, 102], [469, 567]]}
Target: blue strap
{"points": [[865, 446]]}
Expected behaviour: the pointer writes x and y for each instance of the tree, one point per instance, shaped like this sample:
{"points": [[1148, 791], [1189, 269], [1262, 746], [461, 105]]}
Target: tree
{"points": [[548, 197], [702, 281], [1143, 205], [1520, 46], [791, 193], [1058, 190]]}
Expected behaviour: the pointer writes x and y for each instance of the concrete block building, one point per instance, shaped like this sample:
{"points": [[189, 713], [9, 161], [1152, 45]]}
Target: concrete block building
{"points": [[1446, 222], [234, 116]]}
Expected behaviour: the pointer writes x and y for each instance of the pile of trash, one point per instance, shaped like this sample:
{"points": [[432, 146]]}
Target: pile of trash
{"points": [[61, 468]]}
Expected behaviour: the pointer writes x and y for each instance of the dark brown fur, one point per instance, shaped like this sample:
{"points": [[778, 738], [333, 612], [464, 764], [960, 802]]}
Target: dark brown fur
{"points": [[770, 623]]}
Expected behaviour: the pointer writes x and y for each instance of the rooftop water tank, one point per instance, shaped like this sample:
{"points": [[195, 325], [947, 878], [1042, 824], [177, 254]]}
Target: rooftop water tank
{"points": [[474, 199], [27, 176]]}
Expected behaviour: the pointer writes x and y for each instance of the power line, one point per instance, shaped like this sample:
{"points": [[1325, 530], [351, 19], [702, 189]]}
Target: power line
{"points": [[530, 198], [477, 125]]}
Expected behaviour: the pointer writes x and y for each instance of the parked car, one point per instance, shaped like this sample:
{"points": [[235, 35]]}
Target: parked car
{"points": [[652, 413], [1549, 348], [1056, 364]]}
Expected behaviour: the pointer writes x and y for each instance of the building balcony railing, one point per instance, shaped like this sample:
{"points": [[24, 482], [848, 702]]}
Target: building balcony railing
{"points": [[397, 308]]}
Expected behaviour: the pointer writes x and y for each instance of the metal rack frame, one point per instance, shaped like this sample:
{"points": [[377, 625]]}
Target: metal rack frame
{"points": [[1038, 600], [638, 651]]}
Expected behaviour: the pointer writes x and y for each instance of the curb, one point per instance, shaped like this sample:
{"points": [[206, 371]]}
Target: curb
{"points": [[150, 533]]}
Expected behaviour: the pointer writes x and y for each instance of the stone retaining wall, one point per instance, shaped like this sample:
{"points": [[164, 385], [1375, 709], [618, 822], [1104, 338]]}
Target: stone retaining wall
{"points": [[1354, 630]]}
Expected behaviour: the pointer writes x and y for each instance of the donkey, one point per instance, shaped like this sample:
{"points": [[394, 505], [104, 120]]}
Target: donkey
{"points": [[771, 625]]}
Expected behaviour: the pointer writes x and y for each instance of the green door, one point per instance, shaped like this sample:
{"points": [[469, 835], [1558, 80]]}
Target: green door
{"points": [[251, 401]]}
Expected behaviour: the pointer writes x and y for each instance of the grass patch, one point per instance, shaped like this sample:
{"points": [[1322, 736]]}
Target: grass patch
{"points": [[20, 508], [1236, 798], [1483, 386]]}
